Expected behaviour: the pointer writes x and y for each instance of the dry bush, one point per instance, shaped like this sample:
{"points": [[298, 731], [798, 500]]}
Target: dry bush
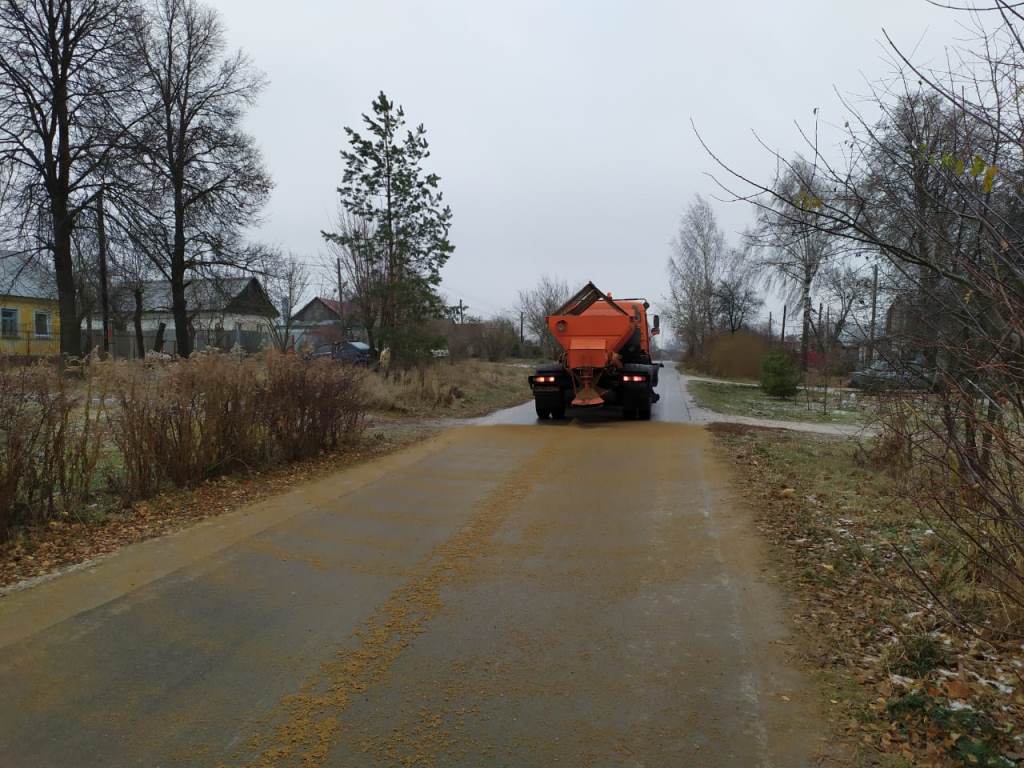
{"points": [[899, 430], [311, 407], [498, 338], [961, 469], [50, 443], [470, 387], [135, 428], [163, 422], [187, 420]]}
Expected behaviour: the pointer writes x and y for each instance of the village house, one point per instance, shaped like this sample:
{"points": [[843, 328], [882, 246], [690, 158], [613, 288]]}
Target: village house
{"points": [[325, 321], [223, 313], [29, 316]]}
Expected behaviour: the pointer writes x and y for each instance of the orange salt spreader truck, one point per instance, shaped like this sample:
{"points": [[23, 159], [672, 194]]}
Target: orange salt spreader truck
{"points": [[605, 360]]}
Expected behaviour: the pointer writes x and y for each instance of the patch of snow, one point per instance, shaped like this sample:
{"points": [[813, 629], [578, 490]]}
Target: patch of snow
{"points": [[906, 682]]}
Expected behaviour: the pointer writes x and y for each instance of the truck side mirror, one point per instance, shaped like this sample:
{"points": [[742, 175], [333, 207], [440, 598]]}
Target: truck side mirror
{"points": [[657, 326]]}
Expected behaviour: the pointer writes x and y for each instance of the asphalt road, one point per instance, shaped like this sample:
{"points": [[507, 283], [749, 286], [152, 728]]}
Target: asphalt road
{"points": [[583, 593]]}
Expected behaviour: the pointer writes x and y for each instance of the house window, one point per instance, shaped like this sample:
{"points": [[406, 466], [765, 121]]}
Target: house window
{"points": [[8, 322], [44, 326]]}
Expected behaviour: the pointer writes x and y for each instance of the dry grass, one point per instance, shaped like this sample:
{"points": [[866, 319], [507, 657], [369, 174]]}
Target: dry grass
{"points": [[467, 388], [902, 679], [836, 406]]}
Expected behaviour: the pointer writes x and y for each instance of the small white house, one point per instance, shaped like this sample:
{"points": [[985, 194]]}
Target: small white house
{"points": [[222, 313]]}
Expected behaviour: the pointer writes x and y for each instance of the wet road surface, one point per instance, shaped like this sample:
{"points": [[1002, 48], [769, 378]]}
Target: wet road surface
{"points": [[513, 594]]}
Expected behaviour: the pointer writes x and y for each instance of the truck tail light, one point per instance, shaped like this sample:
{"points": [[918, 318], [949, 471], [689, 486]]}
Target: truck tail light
{"points": [[638, 377], [544, 379]]}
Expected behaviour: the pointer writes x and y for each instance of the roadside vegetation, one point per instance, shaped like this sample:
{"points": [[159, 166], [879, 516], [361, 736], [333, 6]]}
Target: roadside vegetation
{"points": [[904, 679], [809, 404], [462, 389], [904, 249], [129, 450], [927, 194]]}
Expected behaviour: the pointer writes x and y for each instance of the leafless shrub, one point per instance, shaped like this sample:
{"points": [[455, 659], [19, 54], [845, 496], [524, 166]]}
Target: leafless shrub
{"points": [[50, 443], [310, 407], [187, 420]]}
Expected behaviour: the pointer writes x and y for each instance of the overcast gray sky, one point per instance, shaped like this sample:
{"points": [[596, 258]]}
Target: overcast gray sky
{"points": [[561, 130]]}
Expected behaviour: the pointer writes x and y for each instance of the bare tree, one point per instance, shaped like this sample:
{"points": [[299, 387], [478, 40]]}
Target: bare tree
{"points": [[699, 260], [497, 338], [130, 273], [735, 300], [845, 290], [287, 284], [934, 185], [355, 245], [66, 90], [203, 176], [790, 248], [537, 303], [9, 235]]}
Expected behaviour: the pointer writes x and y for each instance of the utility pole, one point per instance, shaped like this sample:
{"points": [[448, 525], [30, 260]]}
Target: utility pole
{"points": [[769, 327], [101, 236], [782, 336], [462, 313], [874, 310], [522, 327]]}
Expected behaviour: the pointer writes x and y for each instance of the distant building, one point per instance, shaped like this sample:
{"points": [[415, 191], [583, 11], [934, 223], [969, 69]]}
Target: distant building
{"points": [[29, 315], [325, 321], [223, 313]]}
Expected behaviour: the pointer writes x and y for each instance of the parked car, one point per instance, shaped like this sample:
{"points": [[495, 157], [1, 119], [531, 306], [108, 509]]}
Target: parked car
{"points": [[354, 352], [884, 375]]}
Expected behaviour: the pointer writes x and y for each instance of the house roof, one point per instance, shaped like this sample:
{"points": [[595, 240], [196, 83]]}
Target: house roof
{"points": [[343, 310], [334, 305], [243, 295], [25, 276]]}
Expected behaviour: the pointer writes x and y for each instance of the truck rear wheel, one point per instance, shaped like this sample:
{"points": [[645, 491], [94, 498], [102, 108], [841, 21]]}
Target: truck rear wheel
{"points": [[644, 412], [543, 412]]}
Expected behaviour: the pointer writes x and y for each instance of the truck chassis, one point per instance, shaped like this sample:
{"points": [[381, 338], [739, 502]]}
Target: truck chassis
{"points": [[631, 387]]}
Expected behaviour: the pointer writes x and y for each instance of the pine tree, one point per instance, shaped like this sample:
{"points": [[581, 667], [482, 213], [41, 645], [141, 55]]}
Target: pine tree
{"points": [[404, 236]]}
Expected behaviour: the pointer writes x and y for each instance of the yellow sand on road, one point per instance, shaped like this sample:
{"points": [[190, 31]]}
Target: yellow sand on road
{"points": [[509, 595]]}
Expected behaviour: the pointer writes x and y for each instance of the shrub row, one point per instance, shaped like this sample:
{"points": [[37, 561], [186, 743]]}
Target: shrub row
{"points": [[139, 428]]}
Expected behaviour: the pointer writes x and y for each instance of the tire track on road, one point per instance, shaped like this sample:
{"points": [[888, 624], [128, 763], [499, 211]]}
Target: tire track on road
{"points": [[311, 720]]}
